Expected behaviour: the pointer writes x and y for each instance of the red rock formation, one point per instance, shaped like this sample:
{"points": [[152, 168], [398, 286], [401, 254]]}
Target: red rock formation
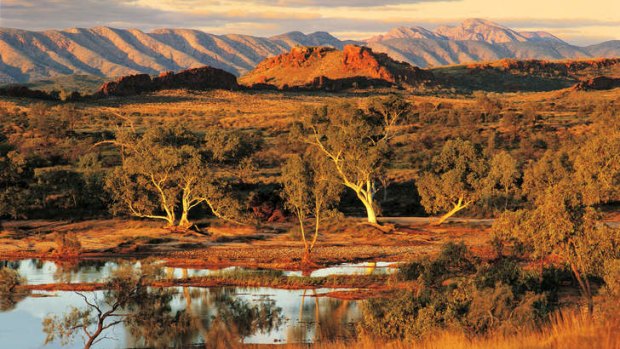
{"points": [[203, 78], [597, 83], [357, 58], [325, 68]]}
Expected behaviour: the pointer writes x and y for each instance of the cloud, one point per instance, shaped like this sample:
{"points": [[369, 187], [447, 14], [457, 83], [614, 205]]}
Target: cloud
{"points": [[45, 14], [351, 19], [59, 14], [342, 3]]}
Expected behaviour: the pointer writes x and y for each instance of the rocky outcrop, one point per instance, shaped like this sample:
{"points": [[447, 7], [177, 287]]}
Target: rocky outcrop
{"points": [[204, 78], [126, 86], [19, 91], [325, 68], [549, 68], [597, 83]]}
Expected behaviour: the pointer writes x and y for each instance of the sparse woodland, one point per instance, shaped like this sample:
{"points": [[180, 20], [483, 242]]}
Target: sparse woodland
{"points": [[545, 167]]}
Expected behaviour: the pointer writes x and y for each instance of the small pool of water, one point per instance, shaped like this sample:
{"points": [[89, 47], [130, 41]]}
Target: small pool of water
{"points": [[365, 268], [242, 314], [38, 272], [248, 315]]}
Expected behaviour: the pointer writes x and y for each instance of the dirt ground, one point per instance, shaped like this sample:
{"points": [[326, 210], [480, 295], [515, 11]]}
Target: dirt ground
{"points": [[274, 246]]}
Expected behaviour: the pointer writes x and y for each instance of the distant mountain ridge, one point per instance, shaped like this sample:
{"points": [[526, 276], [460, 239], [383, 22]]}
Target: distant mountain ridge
{"points": [[109, 52], [103, 51]]}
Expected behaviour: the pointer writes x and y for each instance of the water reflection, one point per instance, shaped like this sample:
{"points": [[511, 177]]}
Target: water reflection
{"points": [[127, 300], [213, 318], [168, 317], [10, 291], [78, 271]]}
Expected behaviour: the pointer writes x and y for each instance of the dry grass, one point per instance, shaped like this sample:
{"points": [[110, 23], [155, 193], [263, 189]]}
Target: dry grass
{"points": [[567, 331]]}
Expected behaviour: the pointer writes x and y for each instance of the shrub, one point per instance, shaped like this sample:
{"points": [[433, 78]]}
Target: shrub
{"points": [[612, 276], [480, 297], [68, 245], [9, 279]]}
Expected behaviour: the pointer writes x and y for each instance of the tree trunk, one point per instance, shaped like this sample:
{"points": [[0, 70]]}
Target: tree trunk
{"points": [[584, 284], [184, 221], [370, 211], [306, 260], [93, 337], [457, 207]]}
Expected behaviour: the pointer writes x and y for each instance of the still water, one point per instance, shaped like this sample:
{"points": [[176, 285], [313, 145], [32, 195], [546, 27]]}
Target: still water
{"points": [[39, 272], [219, 314]]}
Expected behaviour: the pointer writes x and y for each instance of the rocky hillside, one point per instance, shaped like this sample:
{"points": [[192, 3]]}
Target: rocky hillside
{"points": [[325, 68], [508, 75], [477, 40], [108, 52], [102, 51], [203, 78], [598, 83]]}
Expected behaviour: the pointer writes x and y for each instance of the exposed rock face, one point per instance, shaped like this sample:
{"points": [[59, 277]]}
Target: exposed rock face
{"points": [[598, 83], [573, 70], [203, 78], [127, 86], [325, 68], [19, 91]]}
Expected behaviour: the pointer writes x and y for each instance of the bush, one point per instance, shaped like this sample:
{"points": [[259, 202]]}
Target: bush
{"points": [[612, 276], [68, 245], [9, 279], [480, 297]]}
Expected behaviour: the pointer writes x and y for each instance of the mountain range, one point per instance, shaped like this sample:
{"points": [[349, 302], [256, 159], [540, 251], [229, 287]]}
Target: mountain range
{"points": [[109, 52]]}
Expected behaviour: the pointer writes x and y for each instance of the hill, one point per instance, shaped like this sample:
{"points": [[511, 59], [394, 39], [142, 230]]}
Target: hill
{"points": [[109, 52], [511, 75], [28, 56], [477, 40], [324, 68]]}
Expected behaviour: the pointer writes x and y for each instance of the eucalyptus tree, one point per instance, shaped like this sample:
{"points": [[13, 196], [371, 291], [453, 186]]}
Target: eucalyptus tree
{"points": [[310, 191], [165, 173], [356, 140], [456, 181], [565, 188]]}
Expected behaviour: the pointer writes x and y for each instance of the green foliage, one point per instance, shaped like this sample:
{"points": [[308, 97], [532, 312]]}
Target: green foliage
{"points": [[357, 142], [611, 275], [458, 179], [502, 177], [457, 292], [309, 190], [15, 194], [563, 187], [164, 171]]}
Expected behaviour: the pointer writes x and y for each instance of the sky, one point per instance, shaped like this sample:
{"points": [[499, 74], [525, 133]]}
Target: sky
{"points": [[579, 22]]}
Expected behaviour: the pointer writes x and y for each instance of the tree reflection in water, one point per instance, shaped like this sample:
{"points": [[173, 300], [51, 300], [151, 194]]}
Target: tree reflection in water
{"points": [[216, 318], [322, 319], [67, 269], [10, 292], [127, 300], [222, 320]]}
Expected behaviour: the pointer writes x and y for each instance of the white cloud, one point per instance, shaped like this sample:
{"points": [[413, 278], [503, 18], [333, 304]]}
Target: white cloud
{"points": [[575, 21]]}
